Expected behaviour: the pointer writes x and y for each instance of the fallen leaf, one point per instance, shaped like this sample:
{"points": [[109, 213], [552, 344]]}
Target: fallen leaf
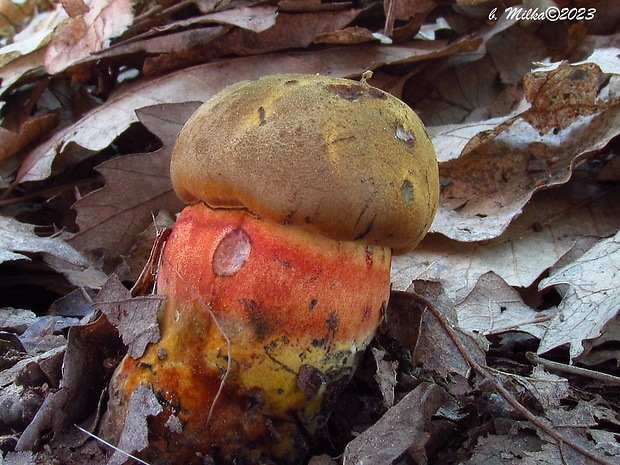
{"points": [[550, 224], [30, 131], [135, 435], [592, 299], [435, 350], [96, 130], [255, 19], [137, 187], [561, 96], [134, 317], [80, 386], [77, 37], [385, 375], [19, 458], [485, 189], [494, 307], [18, 239], [400, 428]]}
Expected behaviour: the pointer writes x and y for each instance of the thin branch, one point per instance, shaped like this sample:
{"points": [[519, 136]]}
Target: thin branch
{"points": [[536, 421], [573, 370], [112, 446]]}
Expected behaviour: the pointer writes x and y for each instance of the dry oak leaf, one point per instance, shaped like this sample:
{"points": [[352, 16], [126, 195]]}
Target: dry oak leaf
{"points": [[26, 55], [19, 239], [494, 307], [142, 404], [30, 131], [137, 187], [489, 178], [402, 428], [96, 130], [549, 226], [134, 317], [591, 301], [486, 188], [77, 37]]}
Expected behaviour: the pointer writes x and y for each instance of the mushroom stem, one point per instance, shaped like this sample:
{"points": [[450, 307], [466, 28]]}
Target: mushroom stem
{"points": [[262, 327]]}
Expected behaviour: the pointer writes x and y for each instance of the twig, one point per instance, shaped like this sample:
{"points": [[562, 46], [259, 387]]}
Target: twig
{"points": [[536, 421], [597, 375], [112, 446], [388, 30]]}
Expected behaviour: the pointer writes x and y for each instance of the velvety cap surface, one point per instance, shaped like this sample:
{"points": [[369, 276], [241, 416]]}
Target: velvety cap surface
{"points": [[335, 156]]}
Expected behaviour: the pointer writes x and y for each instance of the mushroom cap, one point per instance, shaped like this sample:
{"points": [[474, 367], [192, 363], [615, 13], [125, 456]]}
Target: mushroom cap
{"points": [[338, 157]]}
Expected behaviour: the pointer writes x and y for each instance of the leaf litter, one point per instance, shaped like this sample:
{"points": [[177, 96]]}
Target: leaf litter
{"points": [[522, 259]]}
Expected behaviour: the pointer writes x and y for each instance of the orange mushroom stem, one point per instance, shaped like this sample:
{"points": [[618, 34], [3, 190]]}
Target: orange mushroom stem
{"points": [[262, 322]]}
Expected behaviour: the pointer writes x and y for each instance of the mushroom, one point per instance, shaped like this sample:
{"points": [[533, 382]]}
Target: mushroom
{"points": [[277, 272]]}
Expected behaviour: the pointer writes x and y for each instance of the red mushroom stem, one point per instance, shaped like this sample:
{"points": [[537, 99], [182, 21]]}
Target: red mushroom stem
{"points": [[262, 324]]}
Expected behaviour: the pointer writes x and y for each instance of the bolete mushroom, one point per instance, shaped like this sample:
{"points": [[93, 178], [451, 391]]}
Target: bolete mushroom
{"points": [[299, 187]]}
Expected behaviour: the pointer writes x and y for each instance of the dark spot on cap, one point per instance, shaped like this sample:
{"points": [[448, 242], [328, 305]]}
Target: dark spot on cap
{"points": [[261, 115], [313, 304], [365, 232]]}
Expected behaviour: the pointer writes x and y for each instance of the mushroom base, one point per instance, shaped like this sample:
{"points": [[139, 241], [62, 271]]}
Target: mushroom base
{"points": [[262, 328]]}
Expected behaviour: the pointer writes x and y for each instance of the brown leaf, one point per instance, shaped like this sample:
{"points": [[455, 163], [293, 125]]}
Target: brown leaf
{"points": [[102, 125], [79, 36], [486, 188], [561, 96], [18, 239], [385, 375], [494, 307], [135, 318], [30, 131], [74, 7], [435, 349], [546, 230], [289, 31], [81, 382], [348, 35], [402, 427], [137, 187], [134, 437]]}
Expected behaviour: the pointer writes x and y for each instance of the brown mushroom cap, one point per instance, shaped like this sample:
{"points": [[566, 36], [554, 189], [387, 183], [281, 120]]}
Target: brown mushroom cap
{"points": [[338, 157]]}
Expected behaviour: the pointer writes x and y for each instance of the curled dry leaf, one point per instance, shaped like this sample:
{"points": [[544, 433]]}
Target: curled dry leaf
{"points": [[137, 187], [591, 301], [77, 37], [535, 241], [135, 318], [494, 307], [18, 241], [30, 131], [498, 170], [96, 130], [401, 428]]}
